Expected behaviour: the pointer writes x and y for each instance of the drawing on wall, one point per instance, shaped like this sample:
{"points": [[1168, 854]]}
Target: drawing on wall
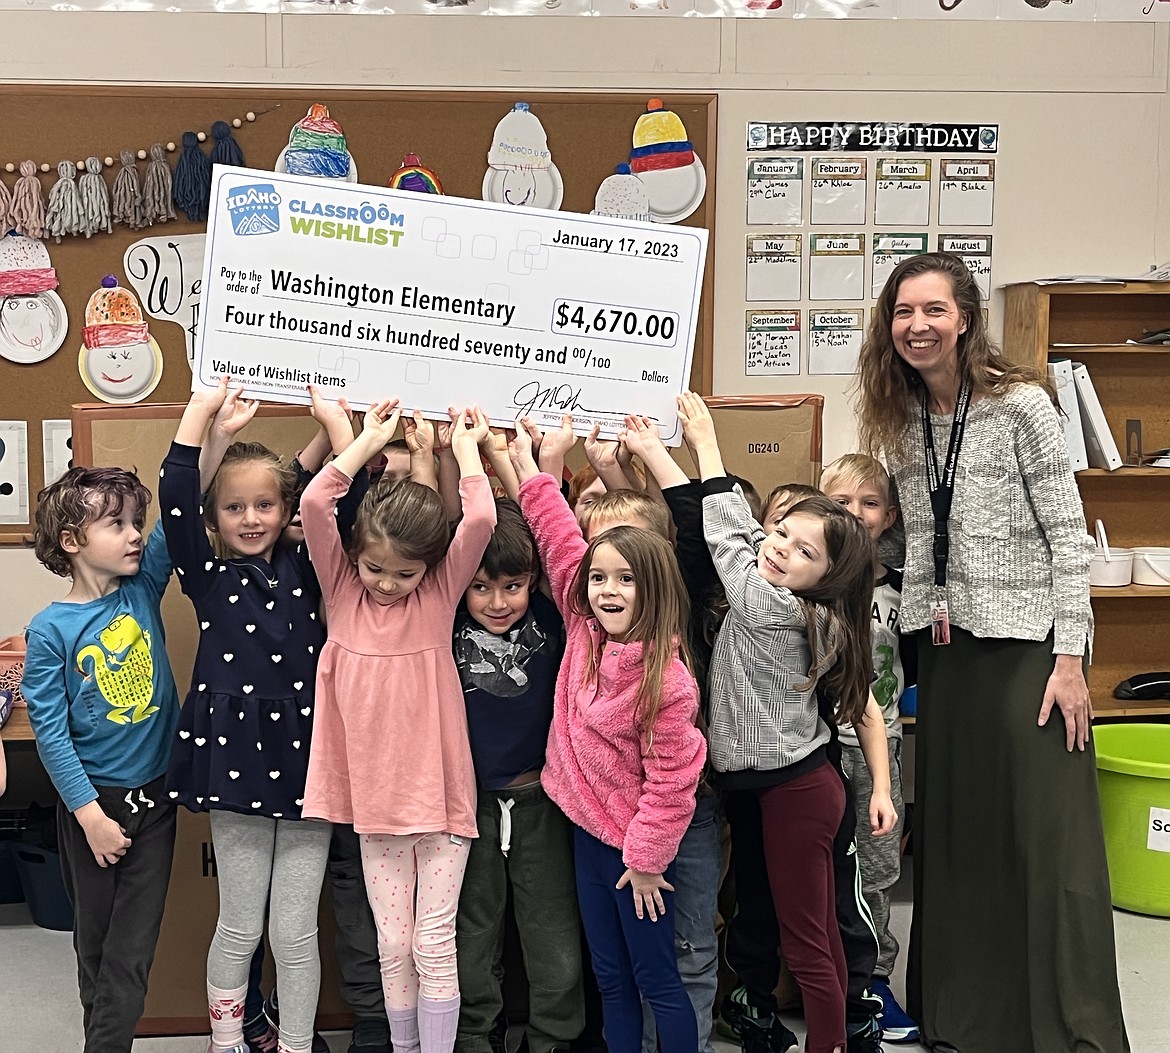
{"points": [[119, 361], [521, 171], [413, 175], [33, 321], [317, 147], [622, 196], [665, 160]]}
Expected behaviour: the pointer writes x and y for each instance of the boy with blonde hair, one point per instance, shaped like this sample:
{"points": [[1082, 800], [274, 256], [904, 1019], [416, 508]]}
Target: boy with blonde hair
{"points": [[862, 485]]}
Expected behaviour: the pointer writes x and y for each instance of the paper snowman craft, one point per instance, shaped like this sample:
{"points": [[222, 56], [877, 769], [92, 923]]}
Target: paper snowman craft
{"points": [[664, 159], [622, 196], [415, 176], [120, 362], [316, 147], [520, 166], [33, 322]]}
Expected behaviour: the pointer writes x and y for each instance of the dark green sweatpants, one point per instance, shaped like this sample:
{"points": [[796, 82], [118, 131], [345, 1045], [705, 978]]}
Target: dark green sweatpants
{"points": [[539, 870]]}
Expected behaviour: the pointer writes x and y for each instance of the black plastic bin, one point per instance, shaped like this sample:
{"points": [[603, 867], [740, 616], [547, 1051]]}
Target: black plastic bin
{"points": [[44, 887], [10, 890]]}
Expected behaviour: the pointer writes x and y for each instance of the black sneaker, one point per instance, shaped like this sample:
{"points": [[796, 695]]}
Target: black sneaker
{"points": [[272, 1012], [867, 1040], [370, 1035]]}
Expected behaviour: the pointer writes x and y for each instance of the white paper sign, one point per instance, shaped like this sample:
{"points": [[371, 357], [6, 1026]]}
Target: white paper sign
{"points": [[371, 293], [772, 343], [166, 273], [1158, 839], [966, 196], [57, 442], [834, 341], [775, 190], [13, 471]]}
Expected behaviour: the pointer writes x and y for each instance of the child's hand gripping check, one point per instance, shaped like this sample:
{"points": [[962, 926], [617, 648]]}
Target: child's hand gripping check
{"points": [[647, 889], [520, 451], [233, 414], [419, 434], [699, 434]]}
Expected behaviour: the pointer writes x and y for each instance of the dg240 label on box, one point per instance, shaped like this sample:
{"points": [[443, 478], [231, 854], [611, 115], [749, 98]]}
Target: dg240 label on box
{"points": [[1158, 839]]}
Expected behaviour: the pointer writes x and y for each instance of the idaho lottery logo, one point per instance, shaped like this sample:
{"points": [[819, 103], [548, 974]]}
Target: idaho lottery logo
{"points": [[254, 209]]}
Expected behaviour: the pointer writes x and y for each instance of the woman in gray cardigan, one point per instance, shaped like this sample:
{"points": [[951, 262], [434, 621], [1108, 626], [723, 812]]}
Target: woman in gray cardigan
{"points": [[1012, 943]]}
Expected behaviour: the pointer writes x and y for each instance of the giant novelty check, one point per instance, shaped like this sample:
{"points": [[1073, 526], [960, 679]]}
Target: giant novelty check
{"points": [[437, 301]]}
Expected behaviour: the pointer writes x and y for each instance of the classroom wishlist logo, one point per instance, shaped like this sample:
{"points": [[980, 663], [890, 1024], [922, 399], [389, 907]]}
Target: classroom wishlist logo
{"points": [[254, 209]]}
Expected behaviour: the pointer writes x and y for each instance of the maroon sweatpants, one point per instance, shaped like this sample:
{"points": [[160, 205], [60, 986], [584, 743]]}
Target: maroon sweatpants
{"points": [[800, 819]]}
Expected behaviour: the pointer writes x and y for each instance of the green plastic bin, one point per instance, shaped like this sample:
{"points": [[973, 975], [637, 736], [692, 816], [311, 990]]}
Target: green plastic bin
{"points": [[1133, 773]]}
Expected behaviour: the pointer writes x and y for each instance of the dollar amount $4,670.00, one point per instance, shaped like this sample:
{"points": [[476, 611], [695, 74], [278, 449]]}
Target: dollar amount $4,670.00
{"points": [[609, 321]]}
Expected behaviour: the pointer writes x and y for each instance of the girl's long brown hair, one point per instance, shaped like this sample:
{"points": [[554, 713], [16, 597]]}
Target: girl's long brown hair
{"points": [[661, 612], [887, 389], [838, 613]]}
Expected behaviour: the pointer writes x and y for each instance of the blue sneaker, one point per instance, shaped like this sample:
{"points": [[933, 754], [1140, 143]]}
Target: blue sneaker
{"points": [[896, 1025]]}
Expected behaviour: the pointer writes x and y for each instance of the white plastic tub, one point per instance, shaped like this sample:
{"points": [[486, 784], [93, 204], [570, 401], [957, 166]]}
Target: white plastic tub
{"points": [[1151, 566], [1110, 566]]}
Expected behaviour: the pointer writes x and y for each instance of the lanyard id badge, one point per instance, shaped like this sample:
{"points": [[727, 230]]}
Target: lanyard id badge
{"points": [[940, 621], [942, 493]]}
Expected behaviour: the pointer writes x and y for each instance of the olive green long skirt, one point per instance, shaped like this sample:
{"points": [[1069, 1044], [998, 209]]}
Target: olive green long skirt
{"points": [[1011, 948]]}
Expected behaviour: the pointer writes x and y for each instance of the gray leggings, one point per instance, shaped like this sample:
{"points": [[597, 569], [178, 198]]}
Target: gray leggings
{"points": [[273, 865]]}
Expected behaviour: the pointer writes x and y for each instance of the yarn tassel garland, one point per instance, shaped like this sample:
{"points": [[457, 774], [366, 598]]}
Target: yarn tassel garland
{"points": [[192, 187], [226, 150], [28, 203], [127, 202], [156, 191], [5, 208], [64, 214], [95, 198]]}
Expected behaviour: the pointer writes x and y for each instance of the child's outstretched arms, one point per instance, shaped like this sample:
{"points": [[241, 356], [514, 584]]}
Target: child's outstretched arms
{"points": [[871, 734], [602, 455], [378, 428], [419, 434], [640, 437], [699, 435], [335, 432], [227, 421], [551, 447]]}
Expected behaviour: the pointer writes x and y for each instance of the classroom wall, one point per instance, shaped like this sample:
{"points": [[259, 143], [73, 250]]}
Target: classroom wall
{"points": [[1083, 111]]}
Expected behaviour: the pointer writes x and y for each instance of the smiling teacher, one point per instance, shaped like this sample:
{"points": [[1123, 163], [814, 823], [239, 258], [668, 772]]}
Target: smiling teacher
{"points": [[1012, 942]]}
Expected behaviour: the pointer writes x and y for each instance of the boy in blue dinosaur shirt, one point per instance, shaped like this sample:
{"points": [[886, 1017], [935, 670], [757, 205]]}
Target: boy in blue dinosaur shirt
{"points": [[103, 706]]}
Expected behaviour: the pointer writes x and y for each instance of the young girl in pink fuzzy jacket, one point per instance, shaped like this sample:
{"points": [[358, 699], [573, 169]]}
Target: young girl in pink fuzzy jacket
{"points": [[624, 755]]}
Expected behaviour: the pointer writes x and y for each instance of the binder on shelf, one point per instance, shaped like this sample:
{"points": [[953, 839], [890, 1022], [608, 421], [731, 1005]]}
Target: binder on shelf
{"points": [[1060, 372], [1100, 446]]}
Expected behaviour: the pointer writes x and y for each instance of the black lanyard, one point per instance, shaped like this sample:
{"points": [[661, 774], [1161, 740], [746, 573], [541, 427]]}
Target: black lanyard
{"points": [[942, 489]]}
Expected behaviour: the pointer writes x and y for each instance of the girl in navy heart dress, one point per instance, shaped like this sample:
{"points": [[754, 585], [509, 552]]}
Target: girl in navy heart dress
{"points": [[243, 743]]}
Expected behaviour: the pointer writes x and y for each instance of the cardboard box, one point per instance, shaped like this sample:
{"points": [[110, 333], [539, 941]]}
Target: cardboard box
{"points": [[766, 439]]}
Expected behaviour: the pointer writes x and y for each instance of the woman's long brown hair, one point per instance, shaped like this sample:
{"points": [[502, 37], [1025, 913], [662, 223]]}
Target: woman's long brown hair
{"points": [[887, 389]]}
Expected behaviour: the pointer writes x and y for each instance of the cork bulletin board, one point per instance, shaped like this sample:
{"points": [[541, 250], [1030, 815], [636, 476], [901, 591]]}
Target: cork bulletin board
{"points": [[588, 135]]}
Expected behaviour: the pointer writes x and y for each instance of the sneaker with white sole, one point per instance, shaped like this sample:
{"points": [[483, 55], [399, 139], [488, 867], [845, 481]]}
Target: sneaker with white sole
{"points": [[896, 1025]]}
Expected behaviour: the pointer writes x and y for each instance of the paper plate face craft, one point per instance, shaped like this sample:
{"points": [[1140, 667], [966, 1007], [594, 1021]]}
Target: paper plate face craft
{"points": [[664, 159], [415, 176], [520, 166], [622, 196], [316, 147], [33, 322], [119, 361]]}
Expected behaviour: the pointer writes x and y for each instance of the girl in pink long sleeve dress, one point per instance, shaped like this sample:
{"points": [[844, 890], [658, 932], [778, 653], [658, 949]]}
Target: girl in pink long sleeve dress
{"points": [[390, 751]]}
